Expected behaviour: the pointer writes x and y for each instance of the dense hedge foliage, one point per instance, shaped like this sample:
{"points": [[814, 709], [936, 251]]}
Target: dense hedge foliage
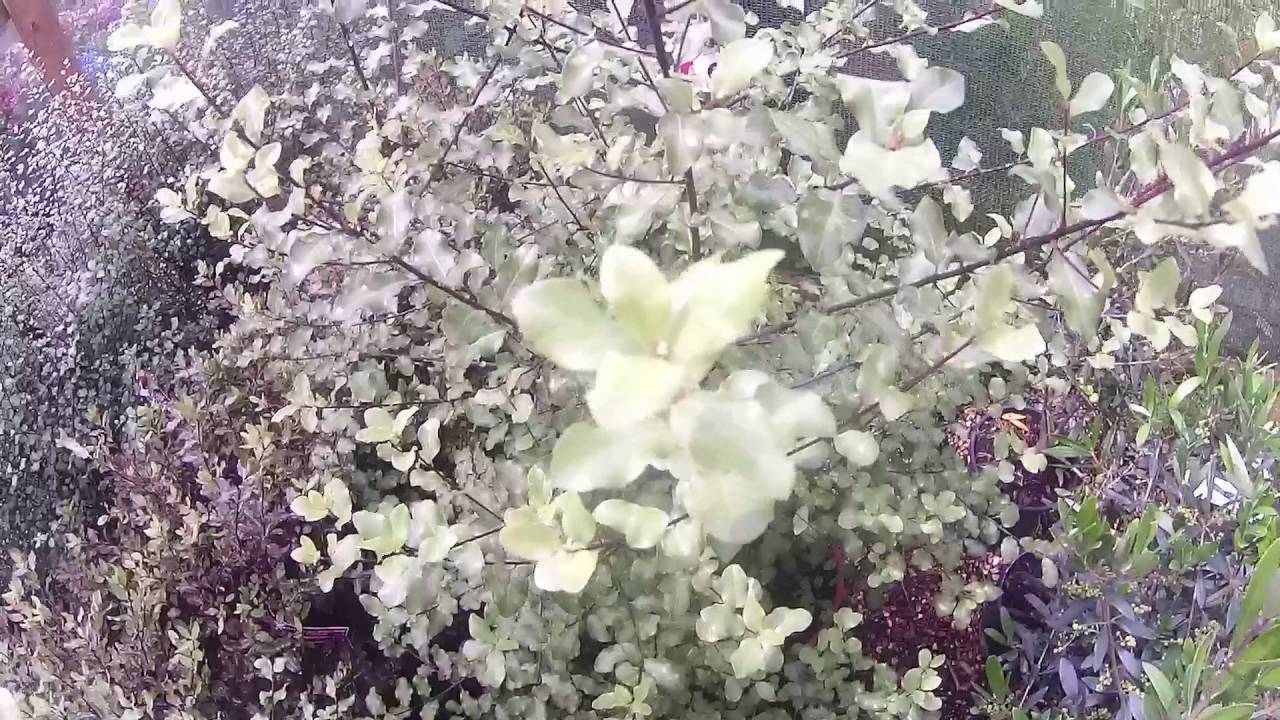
{"points": [[614, 373]]}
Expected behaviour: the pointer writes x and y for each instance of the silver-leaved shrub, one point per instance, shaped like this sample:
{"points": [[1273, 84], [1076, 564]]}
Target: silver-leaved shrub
{"points": [[622, 336]]}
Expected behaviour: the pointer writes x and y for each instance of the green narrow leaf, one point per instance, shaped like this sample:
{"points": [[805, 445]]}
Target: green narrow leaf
{"points": [[1164, 689], [1255, 592], [1240, 711], [1196, 669], [1185, 388], [996, 681]]}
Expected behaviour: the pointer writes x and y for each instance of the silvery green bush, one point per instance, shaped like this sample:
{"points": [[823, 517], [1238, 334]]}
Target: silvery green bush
{"points": [[616, 342]]}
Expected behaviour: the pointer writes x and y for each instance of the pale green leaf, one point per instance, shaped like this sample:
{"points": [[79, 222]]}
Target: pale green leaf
{"points": [[1034, 461], [1013, 344], [1185, 388], [813, 140], [1163, 688], [429, 438], [1193, 183], [858, 447], [250, 112], [630, 389], [310, 506], [995, 296], [789, 621], [748, 658], [1029, 8], [740, 62], [1237, 469], [1159, 288], [1058, 59], [383, 532], [638, 294], [526, 536], [718, 622], [394, 575], [937, 89], [641, 525], [829, 222], [714, 303], [560, 319], [1202, 300], [338, 500], [579, 71], [682, 137], [879, 169], [566, 571], [1265, 33], [728, 20], [735, 468], [587, 457], [306, 553], [578, 524], [1094, 92], [1157, 331]]}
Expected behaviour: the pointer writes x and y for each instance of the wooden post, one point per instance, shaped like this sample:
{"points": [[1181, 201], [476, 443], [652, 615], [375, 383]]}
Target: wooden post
{"points": [[39, 29]]}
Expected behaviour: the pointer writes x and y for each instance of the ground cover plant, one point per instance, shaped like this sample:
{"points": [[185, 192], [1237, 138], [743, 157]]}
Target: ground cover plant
{"points": [[637, 361]]}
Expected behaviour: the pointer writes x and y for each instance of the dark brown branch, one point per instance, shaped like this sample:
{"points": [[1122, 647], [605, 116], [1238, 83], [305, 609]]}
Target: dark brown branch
{"points": [[910, 385], [594, 36], [464, 298], [354, 57], [1098, 137], [462, 124], [1156, 189], [918, 33], [654, 18], [454, 5], [629, 178], [204, 91], [559, 196]]}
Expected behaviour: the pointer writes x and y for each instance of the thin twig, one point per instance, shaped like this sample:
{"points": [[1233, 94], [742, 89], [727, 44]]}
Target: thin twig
{"points": [[654, 17], [917, 33], [859, 416], [1156, 189], [559, 196], [629, 178]]}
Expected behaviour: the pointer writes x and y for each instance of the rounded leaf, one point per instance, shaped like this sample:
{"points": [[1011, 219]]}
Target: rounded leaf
{"points": [[527, 537], [632, 388], [566, 571], [638, 294], [561, 320], [740, 62], [858, 447], [643, 526]]}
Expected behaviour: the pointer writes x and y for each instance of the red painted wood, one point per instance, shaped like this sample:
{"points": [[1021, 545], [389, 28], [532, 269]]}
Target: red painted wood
{"points": [[38, 27]]}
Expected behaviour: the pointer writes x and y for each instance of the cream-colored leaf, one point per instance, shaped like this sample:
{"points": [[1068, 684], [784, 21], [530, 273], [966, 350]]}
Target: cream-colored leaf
{"points": [[306, 553], [632, 388], [638, 294], [641, 525], [858, 447], [587, 457], [1012, 344], [740, 62], [566, 571], [250, 112], [715, 302], [527, 537], [561, 320], [1193, 183], [1094, 92], [1058, 59]]}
